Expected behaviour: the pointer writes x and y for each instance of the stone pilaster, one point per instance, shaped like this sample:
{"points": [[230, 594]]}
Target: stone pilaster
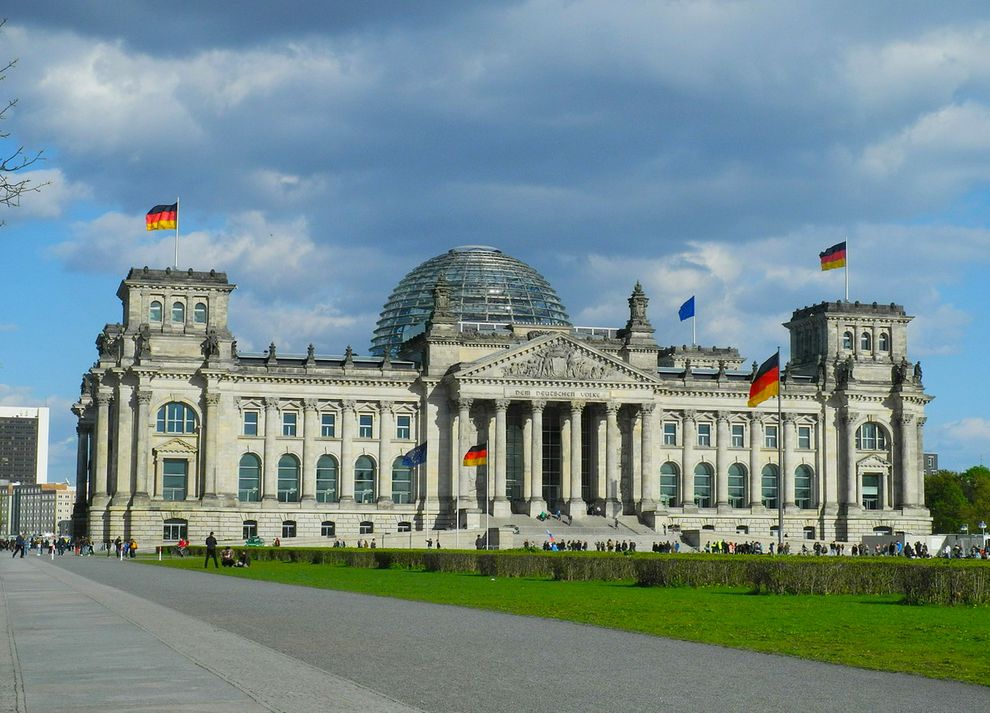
{"points": [[386, 431], [613, 454], [722, 461], [348, 427], [500, 503], [536, 501], [575, 505], [650, 475], [269, 487], [690, 428], [311, 429]]}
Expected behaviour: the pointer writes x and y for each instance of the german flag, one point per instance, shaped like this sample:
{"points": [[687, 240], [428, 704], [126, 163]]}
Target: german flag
{"points": [[162, 217], [834, 257], [477, 455], [766, 382]]}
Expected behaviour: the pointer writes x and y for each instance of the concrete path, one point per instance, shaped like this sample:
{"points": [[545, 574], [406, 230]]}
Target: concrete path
{"points": [[96, 634]]}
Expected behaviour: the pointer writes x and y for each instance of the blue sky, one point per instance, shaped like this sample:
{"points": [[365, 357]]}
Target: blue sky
{"points": [[321, 152]]}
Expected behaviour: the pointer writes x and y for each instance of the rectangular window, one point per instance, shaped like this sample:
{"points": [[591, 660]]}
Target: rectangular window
{"points": [[669, 433], [288, 529], [871, 491], [403, 427], [174, 479], [328, 425], [175, 530], [770, 436], [738, 435], [804, 437], [366, 425], [250, 423], [249, 529], [704, 434], [289, 423]]}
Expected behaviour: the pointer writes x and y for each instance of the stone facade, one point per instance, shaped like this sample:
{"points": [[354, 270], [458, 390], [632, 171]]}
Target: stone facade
{"points": [[178, 432]]}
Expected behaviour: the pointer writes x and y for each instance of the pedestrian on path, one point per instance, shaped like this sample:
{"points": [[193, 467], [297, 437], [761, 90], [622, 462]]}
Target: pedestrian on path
{"points": [[211, 551]]}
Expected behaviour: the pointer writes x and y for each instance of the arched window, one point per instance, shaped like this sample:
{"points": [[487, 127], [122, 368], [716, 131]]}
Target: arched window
{"points": [[847, 341], [155, 313], [403, 526], [288, 479], [871, 437], [249, 478], [175, 529], [249, 529], [866, 341], [288, 529], [175, 417], [883, 342], [703, 485], [670, 478], [768, 485], [328, 528], [326, 479], [199, 313], [178, 312], [809, 533], [803, 492], [401, 482], [737, 485], [366, 527], [364, 480]]}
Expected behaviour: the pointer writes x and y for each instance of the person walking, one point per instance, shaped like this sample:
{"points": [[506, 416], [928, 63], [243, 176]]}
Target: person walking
{"points": [[211, 551]]}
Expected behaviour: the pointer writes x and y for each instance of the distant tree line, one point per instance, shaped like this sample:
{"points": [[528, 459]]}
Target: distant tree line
{"points": [[958, 499]]}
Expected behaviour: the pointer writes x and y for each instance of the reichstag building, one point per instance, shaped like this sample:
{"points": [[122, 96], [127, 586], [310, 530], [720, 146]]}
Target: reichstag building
{"points": [[180, 434]]}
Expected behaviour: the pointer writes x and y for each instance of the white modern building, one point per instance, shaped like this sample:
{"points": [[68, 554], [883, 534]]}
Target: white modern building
{"points": [[180, 434]]}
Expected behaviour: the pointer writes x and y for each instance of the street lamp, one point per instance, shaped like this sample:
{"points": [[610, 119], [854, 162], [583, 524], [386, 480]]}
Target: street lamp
{"points": [[983, 528]]}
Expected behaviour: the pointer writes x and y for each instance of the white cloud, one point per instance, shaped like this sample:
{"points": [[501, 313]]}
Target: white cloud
{"points": [[55, 192]]}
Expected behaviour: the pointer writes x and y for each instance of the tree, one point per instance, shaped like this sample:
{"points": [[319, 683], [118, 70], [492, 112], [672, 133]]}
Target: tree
{"points": [[12, 161], [946, 500]]}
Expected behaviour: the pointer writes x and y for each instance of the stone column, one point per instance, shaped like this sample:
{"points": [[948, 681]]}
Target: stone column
{"points": [[527, 444], [348, 426], [82, 465], [613, 451], [851, 495], [142, 426], [722, 461], [386, 431], [787, 432], [755, 474], [269, 487], [650, 476], [101, 455], [536, 502], [918, 473], [687, 460], [123, 444], [500, 503], [876, 344], [576, 506], [908, 437], [464, 439], [311, 428]]}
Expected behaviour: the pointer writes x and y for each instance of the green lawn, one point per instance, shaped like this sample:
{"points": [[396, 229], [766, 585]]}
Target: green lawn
{"points": [[867, 631]]}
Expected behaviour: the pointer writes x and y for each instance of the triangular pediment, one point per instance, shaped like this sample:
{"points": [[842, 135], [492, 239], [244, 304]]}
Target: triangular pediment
{"points": [[873, 461], [555, 357], [177, 446]]}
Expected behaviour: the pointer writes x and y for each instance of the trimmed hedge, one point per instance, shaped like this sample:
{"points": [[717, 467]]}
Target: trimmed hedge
{"points": [[919, 581]]}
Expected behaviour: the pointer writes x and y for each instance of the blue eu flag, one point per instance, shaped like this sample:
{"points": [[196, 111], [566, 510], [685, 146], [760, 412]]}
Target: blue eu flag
{"points": [[416, 456], [687, 309]]}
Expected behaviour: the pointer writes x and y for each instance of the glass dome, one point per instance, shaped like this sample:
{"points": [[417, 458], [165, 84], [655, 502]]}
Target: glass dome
{"points": [[485, 286]]}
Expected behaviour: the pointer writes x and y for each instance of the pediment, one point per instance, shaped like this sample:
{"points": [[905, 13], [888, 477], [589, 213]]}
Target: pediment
{"points": [[177, 446], [873, 461], [555, 357]]}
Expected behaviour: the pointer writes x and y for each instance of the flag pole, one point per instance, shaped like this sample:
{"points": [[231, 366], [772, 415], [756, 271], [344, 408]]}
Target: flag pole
{"points": [[847, 268], [780, 462], [694, 327], [176, 233]]}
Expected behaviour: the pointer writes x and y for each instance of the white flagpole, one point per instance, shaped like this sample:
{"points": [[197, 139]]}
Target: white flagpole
{"points": [[176, 233], [780, 462], [847, 268], [694, 327]]}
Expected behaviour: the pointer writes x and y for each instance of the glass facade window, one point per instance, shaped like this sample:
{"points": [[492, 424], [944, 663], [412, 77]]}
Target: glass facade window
{"points": [[865, 342], [175, 417], [366, 527], [328, 425], [404, 526], [155, 312], [249, 529], [871, 491], [175, 530], [883, 342], [803, 493], [328, 528], [768, 483], [704, 434], [366, 425], [288, 479], [326, 479], [199, 313], [738, 475], [703, 476], [364, 480], [871, 437], [250, 423], [804, 437], [401, 483], [174, 478], [249, 479], [670, 478], [403, 427], [669, 433], [289, 419], [770, 436], [514, 461], [847, 341], [738, 432], [178, 312], [288, 529]]}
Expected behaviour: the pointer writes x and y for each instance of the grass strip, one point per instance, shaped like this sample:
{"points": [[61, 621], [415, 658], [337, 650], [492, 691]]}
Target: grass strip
{"points": [[867, 631]]}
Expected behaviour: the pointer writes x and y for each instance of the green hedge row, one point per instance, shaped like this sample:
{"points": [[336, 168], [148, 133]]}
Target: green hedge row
{"points": [[919, 581]]}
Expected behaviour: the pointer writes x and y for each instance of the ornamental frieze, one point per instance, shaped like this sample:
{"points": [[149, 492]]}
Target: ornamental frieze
{"points": [[561, 360]]}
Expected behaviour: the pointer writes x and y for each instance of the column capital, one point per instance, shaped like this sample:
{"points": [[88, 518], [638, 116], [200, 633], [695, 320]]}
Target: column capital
{"points": [[386, 407], [612, 407], [723, 416], [144, 397], [348, 405], [577, 406], [850, 417], [921, 421], [464, 403], [756, 418], [538, 404], [689, 415], [271, 403], [212, 398], [311, 404], [648, 409], [103, 398], [789, 418], [502, 404]]}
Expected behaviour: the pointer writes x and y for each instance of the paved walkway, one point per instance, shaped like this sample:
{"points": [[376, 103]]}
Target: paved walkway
{"points": [[92, 634]]}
